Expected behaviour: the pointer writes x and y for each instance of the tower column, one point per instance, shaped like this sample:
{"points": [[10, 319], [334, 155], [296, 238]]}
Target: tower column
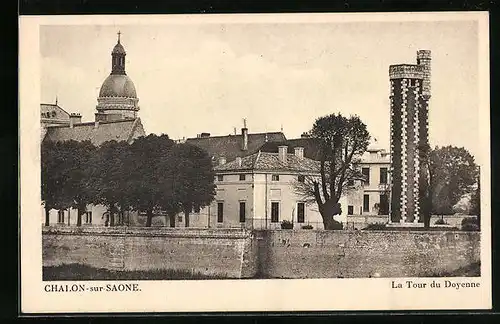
{"points": [[410, 90]]}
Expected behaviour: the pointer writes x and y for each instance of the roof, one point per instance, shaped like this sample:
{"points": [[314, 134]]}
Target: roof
{"points": [[118, 85], [230, 146], [119, 130], [48, 106], [311, 149], [264, 161], [118, 49]]}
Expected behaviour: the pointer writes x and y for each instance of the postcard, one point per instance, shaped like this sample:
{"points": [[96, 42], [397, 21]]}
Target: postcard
{"points": [[255, 162]]}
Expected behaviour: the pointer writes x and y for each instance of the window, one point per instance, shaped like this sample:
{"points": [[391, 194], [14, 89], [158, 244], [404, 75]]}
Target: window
{"points": [[88, 217], [220, 177], [275, 212], [242, 211], [242, 177], [301, 212], [301, 178], [366, 203], [60, 216], [220, 212], [366, 175], [350, 210], [383, 175], [275, 177]]}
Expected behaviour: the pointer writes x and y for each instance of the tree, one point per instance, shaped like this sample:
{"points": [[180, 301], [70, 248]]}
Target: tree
{"points": [[109, 174], [63, 176], [194, 178], [341, 143], [451, 173], [150, 181], [51, 158], [476, 200]]}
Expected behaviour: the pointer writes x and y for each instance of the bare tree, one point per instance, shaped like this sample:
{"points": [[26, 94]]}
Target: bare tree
{"points": [[341, 142]]}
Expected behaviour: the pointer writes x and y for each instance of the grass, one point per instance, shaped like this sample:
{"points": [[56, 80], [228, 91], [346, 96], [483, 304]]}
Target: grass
{"points": [[471, 270], [83, 272]]}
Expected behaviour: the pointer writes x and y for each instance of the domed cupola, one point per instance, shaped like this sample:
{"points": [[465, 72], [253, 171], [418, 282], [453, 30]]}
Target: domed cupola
{"points": [[117, 97]]}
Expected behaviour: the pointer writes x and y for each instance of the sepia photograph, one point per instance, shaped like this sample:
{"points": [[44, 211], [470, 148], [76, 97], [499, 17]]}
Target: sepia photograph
{"points": [[264, 151]]}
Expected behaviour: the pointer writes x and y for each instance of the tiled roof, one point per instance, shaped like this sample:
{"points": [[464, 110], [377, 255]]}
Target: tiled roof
{"points": [[311, 149], [49, 106], [230, 146], [120, 130], [265, 161]]}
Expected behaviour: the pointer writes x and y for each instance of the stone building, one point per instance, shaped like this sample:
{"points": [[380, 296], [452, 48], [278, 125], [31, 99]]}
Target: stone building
{"points": [[409, 100], [116, 119], [256, 176]]}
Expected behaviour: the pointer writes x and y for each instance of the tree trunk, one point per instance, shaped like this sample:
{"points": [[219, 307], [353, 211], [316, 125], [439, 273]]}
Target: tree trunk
{"points": [[81, 209], [186, 216], [172, 220], [47, 216], [149, 218], [329, 209]]}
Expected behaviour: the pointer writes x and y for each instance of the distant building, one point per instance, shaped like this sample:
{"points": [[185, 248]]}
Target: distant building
{"points": [[372, 195], [231, 146], [116, 119], [257, 191], [409, 100]]}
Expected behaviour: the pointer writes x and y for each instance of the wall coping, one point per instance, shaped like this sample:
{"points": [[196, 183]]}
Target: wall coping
{"points": [[217, 232], [367, 231], [145, 231]]}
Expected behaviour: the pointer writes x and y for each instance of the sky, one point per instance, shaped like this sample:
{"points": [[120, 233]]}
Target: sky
{"points": [[194, 78]]}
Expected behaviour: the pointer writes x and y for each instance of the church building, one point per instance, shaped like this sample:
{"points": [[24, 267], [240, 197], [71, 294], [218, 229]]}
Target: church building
{"points": [[116, 119]]}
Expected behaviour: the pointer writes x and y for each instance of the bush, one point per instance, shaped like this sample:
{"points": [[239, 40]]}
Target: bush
{"points": [[375, 226], [469, 220], [440, 222], [470, 224], [307, 227], [286, 225]]}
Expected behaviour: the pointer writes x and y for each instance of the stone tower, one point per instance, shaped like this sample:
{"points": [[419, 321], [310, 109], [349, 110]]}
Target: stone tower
{"points": [[409, 100]]}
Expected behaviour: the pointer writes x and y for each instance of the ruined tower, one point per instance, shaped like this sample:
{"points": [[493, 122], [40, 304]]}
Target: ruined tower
{"points": [[409, 100]]}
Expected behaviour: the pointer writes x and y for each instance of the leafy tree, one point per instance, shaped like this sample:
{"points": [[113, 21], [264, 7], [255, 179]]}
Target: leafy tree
{"points": [[194, 178], [451, 173], [150, 181], [341, 143], [51, 158], [476, 200], [63, 176], [109, 175]]}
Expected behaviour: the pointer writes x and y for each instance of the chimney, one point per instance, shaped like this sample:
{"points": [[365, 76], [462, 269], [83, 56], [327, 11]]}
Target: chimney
{"points": [[238, 161], [244, 139], [222, 160], [204, 135], [74, 118], [282, 151], [304, 135], [299, 152]]}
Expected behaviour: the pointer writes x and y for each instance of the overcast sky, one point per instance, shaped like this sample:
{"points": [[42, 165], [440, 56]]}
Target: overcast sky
{"points": [[208, 77]]}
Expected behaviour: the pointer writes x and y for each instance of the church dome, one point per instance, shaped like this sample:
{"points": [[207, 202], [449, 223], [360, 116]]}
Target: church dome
{"points": [[118, 85]]}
